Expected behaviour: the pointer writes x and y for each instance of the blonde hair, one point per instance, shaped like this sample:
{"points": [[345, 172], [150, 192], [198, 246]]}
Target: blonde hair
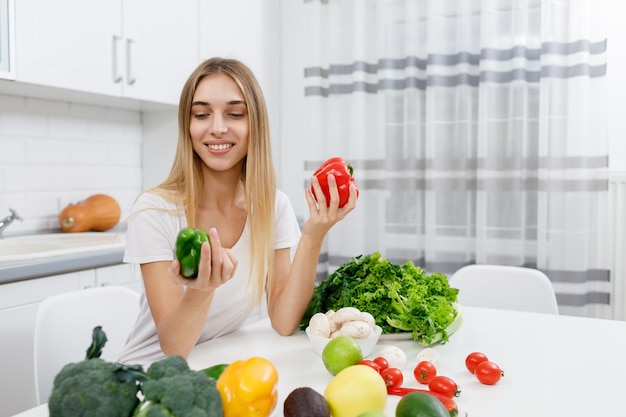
{"points": [[184, 183]]}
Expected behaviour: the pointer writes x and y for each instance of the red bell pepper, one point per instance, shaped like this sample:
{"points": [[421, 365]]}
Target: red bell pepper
{"points": [[343, 173]]}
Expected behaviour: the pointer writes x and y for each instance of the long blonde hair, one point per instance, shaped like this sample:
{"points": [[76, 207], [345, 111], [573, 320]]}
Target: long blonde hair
{"points": [[184, 183]]}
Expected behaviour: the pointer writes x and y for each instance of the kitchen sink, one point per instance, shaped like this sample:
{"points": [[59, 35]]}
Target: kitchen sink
{"points": [[19, 248]]}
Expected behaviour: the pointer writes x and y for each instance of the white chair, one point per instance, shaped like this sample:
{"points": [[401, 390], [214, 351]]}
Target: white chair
{"points": [[64, 325], [505, 287]]}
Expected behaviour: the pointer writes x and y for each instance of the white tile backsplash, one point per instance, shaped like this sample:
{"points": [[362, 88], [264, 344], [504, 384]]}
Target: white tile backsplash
{"points": [[54, 153], [65, 127], [47, 151], [13, 150], [23, 124]]}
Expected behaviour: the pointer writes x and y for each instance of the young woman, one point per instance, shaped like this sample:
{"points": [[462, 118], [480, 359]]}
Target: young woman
{"points": [[223, 181]]}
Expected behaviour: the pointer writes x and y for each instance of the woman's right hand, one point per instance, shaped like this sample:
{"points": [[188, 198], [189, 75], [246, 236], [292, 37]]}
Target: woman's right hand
{"points": [[217, 266]]}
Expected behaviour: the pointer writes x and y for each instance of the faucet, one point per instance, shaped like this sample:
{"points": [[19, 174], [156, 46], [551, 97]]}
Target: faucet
{"points": [[4, 223]]}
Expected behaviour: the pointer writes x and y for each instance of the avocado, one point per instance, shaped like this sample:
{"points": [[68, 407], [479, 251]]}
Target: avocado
{"points": [[305, 402]]}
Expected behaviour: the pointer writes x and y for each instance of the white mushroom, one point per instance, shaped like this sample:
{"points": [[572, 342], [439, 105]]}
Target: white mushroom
{"points": [[357, 329], [331, 320], [368, 318], [395, 356], [319, 325], [345, 314], [428, 354], [336, 333]]}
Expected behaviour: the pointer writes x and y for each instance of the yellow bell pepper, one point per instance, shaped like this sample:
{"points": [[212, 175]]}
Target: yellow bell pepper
{"points": [[249, 388]]}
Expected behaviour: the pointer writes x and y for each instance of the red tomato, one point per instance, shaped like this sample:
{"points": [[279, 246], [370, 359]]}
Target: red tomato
{"points": [[393, 377], [488, 373], [445, 386], [474, 359], [371, 364], [382, 362], [424, 372]]}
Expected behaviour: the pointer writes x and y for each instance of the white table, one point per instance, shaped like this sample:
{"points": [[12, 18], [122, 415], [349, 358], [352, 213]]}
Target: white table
{"points": [[554, 365]]}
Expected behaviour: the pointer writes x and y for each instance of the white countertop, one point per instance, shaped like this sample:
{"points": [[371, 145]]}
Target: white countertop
{"points": [[554, 365], [42, 255]]}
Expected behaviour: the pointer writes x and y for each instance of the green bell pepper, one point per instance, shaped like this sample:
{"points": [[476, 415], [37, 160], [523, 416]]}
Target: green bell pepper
{"points": [[216, 370], [188, 244]]}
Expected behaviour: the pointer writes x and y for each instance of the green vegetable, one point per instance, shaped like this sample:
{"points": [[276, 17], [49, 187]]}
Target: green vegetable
{"points": [[402, 298], [216, 370], [188, 244], [95, 387], [171, 389]]}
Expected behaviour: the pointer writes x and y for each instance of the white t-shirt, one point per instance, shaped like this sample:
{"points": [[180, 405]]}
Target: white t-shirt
{"points": [[151, 237]]}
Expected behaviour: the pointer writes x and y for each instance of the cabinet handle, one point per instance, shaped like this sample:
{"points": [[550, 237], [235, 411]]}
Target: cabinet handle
{"points": [[130, 78], [116, 75]]}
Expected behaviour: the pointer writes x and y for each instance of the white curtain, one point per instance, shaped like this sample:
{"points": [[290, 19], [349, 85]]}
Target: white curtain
{"points": [[477, 132]]}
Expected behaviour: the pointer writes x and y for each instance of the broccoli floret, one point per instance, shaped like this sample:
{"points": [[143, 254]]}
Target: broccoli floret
{"points": [[170, 366], [92, 388], [95, 387], [173, 390]]}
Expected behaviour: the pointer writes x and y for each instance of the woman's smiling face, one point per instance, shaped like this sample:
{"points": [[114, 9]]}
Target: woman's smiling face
{"points": [[219, 124]]}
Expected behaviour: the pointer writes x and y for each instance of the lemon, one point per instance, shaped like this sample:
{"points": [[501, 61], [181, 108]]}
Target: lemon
{"points": [[355, 390], [341, 352], [372, 414]]}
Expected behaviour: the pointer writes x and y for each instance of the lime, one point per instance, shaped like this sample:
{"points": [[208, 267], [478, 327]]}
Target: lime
{"points": [[420, 404], [341, 352], [355, 390]]}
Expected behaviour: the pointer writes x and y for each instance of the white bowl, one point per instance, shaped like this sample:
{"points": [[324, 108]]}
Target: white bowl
{"points": [[367, 344]]}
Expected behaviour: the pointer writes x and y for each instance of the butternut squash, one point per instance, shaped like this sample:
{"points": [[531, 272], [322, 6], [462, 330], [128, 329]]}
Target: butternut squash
{"points": [[99, 212]]}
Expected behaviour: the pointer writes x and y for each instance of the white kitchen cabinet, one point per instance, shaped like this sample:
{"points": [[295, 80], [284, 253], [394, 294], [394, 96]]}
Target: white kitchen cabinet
{"points": [[139, 49], [128, 275], [7, 39], [161, 43], [18, 306]]}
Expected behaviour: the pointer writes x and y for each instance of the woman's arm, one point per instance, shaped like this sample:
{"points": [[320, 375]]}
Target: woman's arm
{"points": [[180, 314], [294, 282]]}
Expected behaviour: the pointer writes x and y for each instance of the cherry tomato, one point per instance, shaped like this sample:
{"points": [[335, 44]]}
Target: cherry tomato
{"points": [[393, 377], [382, 362], [371, 364], [488, 373], [474, 359], [445, 386], [424, 372]]}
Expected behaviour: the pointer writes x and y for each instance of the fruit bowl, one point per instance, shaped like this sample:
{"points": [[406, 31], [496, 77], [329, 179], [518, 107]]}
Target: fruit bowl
{"points": [[367, 344]]}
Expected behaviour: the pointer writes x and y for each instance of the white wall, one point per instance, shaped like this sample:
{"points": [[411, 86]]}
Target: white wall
{"points": [[160, 137]]}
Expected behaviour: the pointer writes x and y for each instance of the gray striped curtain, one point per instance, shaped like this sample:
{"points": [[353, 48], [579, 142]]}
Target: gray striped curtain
{"points": [[477, 132]]}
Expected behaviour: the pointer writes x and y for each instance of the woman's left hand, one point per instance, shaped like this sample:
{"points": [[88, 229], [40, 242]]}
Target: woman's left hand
{"points": [[323, 214]]}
